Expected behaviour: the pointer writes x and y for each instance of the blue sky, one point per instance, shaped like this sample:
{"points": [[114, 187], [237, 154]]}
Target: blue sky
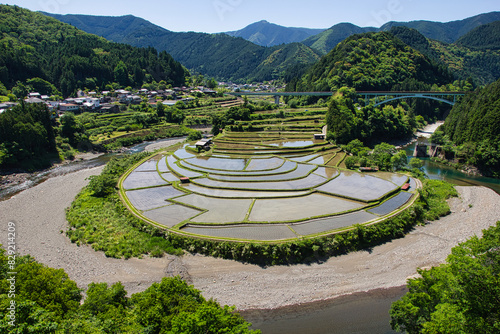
{"points": [[226, 15]]}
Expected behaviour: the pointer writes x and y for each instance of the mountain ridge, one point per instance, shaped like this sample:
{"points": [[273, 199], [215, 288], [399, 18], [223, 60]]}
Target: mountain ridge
{"points": [[447, 32], [265, 33], [233, 58], [217, 55]]}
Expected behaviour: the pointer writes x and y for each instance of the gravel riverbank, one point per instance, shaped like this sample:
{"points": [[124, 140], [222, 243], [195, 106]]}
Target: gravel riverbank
{"points": [[39, 214]]}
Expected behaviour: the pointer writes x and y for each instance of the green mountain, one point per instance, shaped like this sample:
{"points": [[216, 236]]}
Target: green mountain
{"points": [[38, 49], [484, 37], [328, 39], [268, 34], [480, 62], [477, 117], [217, 55], [372, 61], [445, 32]]}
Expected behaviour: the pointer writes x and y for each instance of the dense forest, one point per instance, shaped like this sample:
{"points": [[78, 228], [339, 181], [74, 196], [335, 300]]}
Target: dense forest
{"points": [[33, 45], [371, 125], [27, 136], [460, 296], [217, 55], [485, 37], [371, 61], [472, 130], [474, 57], [46, 300]]}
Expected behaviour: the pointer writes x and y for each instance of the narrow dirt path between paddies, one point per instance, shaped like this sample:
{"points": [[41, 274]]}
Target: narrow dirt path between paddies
{"points": [[39, 214]]}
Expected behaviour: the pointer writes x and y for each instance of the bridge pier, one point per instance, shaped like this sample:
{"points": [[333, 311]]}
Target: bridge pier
{"points": [[277, 100]]}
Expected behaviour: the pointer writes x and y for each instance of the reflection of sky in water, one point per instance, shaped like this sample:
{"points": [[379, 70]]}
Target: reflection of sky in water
{"points": [[296, 143], [218, 163], [359, 186]]}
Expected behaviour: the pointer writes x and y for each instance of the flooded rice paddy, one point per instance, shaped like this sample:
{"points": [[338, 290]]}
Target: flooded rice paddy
{"points": [[283, 196]]}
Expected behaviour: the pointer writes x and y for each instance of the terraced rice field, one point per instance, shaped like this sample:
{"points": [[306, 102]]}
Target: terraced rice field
{"points": [[263, 186]]}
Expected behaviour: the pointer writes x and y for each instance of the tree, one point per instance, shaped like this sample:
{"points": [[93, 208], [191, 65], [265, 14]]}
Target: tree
{"points": [[101, 185], [438, 138], [210, 318], [350, 162], [211, 83], [382, 154], [339, 121], [399, 160], [158, 305], [416, 163], [121, 74], [356, 147], [51, 289], [42, 86], [71, 128], [460, 296], [160, 109]]}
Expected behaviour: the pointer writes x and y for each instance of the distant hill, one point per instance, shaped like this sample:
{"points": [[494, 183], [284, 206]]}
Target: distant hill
{"points": [[483, 37], [372, 61], [39, 50], [476, 55], [328, 39], [269, 34], [216, 55], [445, 32]]}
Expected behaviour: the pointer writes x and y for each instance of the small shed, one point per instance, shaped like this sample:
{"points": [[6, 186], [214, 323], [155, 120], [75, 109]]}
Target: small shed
{"points": [[368, 169], [185, 180], [319, 136], [204, 144], [406, 186]]}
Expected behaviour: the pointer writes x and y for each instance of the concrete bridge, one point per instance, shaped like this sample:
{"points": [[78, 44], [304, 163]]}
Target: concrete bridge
{"points": [[385, 96]]}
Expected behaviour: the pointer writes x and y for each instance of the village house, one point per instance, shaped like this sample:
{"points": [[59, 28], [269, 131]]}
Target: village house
{"points": [[72, 107]]}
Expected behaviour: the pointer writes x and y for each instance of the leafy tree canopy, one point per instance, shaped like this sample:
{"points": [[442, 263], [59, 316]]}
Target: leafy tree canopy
{"points": [[47, 301], [54, 57], [461, 296]]}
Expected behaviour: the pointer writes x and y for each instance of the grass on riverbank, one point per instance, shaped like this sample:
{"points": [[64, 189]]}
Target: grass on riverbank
{"points": [[98, 217]]}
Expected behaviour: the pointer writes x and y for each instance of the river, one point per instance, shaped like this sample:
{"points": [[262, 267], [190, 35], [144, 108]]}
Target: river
{"points": [[95, 161], [442, 172]]}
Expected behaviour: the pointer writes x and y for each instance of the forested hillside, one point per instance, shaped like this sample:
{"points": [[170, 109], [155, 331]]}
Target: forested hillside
{"points": [[483, 37], [448, 32], [216, 55], [325, 41], [26, 135], [479, 63], [460, 296], [474, 127], [33, 45], [372, 61]]}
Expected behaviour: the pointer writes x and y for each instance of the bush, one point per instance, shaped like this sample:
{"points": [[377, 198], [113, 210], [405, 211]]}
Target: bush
{"points": [[350, 162], [194, 135]]}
